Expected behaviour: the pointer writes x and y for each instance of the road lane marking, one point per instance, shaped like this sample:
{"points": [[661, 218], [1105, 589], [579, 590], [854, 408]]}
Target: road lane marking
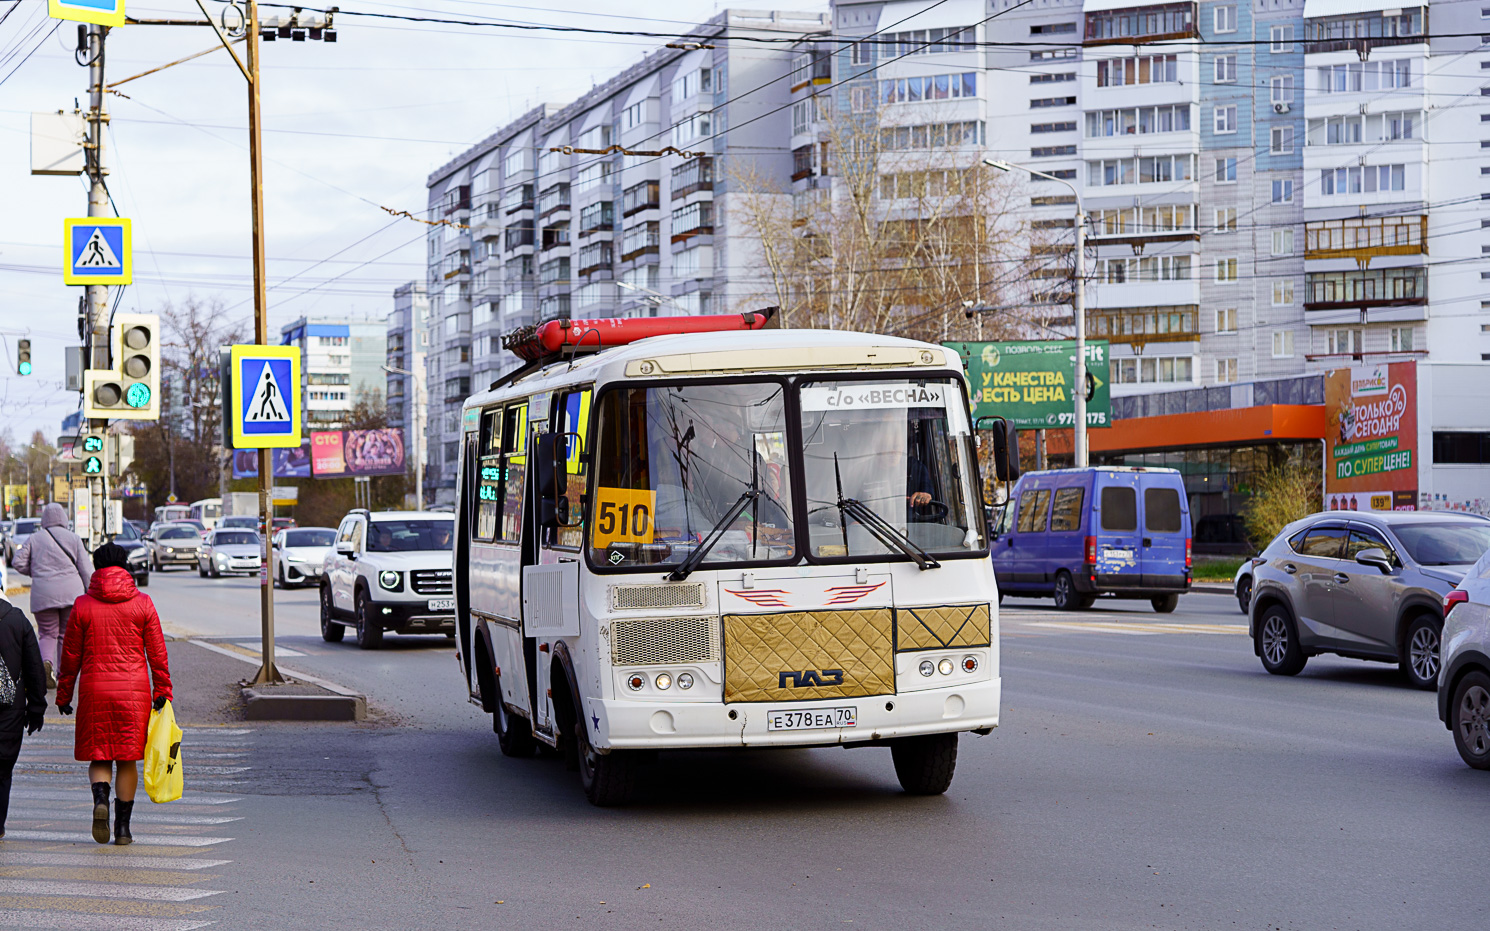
{"points": [[1139, 628], [105, 890], [80, 837], [8, 857], [106, 874], [70, 921]]}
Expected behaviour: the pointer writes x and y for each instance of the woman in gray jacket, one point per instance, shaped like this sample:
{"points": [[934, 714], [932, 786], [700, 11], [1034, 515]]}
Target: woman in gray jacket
{"points": [[60, 569]]}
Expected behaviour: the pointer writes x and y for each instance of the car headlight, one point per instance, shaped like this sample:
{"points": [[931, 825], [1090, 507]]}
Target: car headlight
{"points": [[294, 559], [390, 580]]}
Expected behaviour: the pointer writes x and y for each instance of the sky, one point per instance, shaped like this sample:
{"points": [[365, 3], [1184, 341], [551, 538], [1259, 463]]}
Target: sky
{"points": [[350, 127]]}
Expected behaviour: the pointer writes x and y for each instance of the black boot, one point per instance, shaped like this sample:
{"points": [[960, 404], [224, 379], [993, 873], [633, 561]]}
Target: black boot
{"points": [[101, 812], [122, 811]]}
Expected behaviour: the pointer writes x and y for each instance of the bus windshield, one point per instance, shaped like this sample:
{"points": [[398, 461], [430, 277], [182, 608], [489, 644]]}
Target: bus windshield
{"points": [[900, 448], [680, 464]]}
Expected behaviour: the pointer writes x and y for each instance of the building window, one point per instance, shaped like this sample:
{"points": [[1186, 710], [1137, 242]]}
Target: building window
{"points": [[1226, 269], [1281, 88], [1055, 78], [1166, 20], [1226, 320], [1281, 140], [1052, 151], [1364, 76], [928, 41], [860, 99], [1460, 448], [1357, 180], [1142, 170], [933, 136], [1138, 120], [861, 53], [1282, 344], [1226, 171], [1226, 370], [1052, 102], [1402, 339], [1053, 29], [1067, 127], [1226, 119], [1225, 220], [1145, 69], [1280, 39], [1283, 292], [1283, 191], [1225, 69], [1226, 18], [929, 87], [1283, 242], [1344, 341]]}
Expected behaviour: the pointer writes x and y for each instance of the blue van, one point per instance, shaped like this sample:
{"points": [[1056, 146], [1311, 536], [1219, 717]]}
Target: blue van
{"points": [[1075, 534]]}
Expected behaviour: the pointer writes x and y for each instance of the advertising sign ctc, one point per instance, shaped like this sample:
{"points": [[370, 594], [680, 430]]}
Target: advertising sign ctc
{"points": [[355, 453]]}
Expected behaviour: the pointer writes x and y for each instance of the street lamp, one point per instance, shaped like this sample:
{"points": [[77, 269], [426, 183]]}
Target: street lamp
{"points": [[418, 433], [1078, 307]]}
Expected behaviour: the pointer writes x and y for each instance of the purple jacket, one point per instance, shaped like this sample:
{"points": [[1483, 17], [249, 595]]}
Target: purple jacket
{"points": [[58, 563]]}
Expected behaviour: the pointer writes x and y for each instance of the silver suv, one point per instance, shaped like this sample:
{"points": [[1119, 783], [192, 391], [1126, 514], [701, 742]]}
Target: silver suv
{"points": [[1464, 684], [389, 570], [1367, 585]]}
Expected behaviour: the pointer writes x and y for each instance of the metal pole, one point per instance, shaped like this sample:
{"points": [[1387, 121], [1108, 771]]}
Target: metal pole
{"points": [[419, 444], [97, 296], [268, 672], [1079, 447]]}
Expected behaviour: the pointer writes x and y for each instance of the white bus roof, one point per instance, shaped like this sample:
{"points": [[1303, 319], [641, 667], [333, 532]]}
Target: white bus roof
{"points": [[735, 352]]}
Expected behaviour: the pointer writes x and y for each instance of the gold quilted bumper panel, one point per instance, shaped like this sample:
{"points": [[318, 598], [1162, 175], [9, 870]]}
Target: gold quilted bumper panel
{"points": [[942, 627], [793, 656]]}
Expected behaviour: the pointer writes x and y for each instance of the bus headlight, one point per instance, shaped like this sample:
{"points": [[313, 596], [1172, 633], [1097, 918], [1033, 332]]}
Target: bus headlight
{"points": [[944, 667], [389, 579], [663, 681], [685, 680], [927, 667], [635, 681]]}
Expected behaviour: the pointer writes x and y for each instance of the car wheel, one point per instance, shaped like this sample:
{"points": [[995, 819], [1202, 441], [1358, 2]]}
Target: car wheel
{"points": [[607, 778], [924, 764], [1469, 716], [1278, 643], [1066, 596], [1420, 660], [331, 631], [369, 634], [142, 580], [514, 734], [1165, 604], [201, 573], [1244, 593], [214, 573]]}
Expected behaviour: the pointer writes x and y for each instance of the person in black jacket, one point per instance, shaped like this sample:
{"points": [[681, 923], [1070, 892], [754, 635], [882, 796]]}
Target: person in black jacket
{"points": [[22, 664]]}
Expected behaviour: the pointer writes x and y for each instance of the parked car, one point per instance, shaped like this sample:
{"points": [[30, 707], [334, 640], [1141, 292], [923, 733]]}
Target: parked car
{"points": [[128, 538], [1074, 534], [18, 536], [239, 522], [300, 555], [225, 552], [1367, 585], [173, 544], [390, 570], [1464, 684], [142, 526]]}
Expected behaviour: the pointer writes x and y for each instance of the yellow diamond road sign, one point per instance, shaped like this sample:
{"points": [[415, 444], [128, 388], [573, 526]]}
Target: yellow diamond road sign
{"points": [[265, 397]]}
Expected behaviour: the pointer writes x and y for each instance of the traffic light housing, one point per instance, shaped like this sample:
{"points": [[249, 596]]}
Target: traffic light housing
{"points": [[131, 389], [91, 451], [23, 356]]}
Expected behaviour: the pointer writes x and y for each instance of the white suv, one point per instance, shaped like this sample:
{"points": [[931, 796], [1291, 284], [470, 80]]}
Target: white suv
{"points": [[390, 570]]}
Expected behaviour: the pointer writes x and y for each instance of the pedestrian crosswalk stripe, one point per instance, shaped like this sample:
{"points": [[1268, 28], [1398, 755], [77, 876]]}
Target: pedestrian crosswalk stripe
{"points": [[106, 873], [110, 856], [1138, 628], [104, 890], [106, 922], [81, 836]]}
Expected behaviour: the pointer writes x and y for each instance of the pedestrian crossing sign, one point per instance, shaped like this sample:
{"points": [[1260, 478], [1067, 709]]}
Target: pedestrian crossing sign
{"points": [[100, 12], [99, 251], [265, 397]]}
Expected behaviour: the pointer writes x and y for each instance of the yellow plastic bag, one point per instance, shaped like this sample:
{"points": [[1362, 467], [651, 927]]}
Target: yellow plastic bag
{"points": [[163, 778]]}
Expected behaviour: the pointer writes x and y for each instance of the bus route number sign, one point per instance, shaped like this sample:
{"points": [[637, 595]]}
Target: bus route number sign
{"points": [[623, 515]]}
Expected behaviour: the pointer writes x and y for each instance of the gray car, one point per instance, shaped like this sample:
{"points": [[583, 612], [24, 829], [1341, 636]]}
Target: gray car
{"points": [[1366, 585], [228, 551], [1464, 684], [18, 536]]}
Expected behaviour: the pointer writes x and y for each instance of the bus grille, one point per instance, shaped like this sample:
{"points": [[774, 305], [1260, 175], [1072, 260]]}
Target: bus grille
{"points": [[430, 581], [653, 641], [651, 597]]}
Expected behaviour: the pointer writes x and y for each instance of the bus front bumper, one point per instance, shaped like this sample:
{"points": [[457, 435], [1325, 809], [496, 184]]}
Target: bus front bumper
{"points": [[627, 725]]}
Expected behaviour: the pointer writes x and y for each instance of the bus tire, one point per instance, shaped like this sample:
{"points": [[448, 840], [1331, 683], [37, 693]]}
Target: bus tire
{"points": [[514, 734], [925, 764], [607, 778]]}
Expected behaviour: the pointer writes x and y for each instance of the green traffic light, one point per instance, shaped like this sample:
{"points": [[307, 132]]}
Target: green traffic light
{"points": [[25, 368], [92, 466], [138, 395]]}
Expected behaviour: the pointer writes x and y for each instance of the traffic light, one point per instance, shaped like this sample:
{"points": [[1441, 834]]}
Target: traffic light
{"points": [[131, 389], [91, 450], [23, 356]]}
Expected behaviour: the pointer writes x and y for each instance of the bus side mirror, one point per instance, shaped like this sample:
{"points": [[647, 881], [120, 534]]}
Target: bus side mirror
{"points": [[1005, 450], [547, 463]]}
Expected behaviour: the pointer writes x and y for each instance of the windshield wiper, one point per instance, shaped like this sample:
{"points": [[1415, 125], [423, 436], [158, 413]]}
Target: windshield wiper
{"points": [[879, 528], [712, 537]]}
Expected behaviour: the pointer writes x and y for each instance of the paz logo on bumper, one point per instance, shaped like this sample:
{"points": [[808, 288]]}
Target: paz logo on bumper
{"points": [[790, 679]]}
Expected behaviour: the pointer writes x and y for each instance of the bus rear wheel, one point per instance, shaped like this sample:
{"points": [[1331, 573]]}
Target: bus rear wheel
{"points": [[925, 764], [514, 734], [607, 778]]}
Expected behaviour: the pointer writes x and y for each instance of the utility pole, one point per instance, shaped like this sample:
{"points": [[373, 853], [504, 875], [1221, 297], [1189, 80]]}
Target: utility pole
{"points": [[96, 297]]}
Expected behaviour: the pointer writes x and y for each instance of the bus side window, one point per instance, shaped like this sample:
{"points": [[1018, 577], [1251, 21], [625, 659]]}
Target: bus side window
{"points": [[574, 423], [514, 469], [490, 480]]}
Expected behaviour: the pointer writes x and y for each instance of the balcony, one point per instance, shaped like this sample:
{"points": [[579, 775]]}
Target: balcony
{"points": [[641, 240], [598, 217], [1173, 324], [1363, 238], [693, 176], [555, 237], [552, 200], [1361, 32], [1387, 287], [639, 197], [1138, 226], [1136, 26], [517, 236], [595, 257], [456, 200], [518, 199]]}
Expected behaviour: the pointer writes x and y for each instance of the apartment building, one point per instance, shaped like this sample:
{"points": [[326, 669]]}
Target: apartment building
{"points": [[408, 345], [548, 219], [340, 359]]}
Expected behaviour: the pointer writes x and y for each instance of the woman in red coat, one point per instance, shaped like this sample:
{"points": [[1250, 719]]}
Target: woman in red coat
{"points": [[114, 639]]}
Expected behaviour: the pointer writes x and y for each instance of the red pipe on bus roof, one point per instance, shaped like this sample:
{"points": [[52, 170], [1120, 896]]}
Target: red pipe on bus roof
{"points": [[555, 336]]}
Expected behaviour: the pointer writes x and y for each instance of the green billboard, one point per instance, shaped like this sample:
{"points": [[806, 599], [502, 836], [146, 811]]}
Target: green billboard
{"points": [[1029, 383]]}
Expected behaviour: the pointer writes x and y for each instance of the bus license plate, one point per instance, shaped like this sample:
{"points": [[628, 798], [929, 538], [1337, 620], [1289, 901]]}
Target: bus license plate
{"points": [[442, 604], [811, 718]]}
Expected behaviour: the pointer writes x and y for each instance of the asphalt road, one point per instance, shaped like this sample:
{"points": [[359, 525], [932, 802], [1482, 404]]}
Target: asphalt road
{"points": [[1148, 774]]}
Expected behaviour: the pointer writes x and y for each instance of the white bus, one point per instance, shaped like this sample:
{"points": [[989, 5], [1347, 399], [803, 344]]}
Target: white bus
{"points": [[208, 511], [726, 539]]}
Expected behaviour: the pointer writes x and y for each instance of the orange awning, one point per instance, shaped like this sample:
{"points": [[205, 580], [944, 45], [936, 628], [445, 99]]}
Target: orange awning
{"points": [[1244, 426]]}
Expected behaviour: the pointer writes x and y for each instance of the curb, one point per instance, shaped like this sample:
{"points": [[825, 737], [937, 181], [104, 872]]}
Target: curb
{"points": [[342, 704], [1212, 588]]}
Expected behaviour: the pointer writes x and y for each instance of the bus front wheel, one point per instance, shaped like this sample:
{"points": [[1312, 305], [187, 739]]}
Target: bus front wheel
{"points": [[607, 778], [925, 764]]}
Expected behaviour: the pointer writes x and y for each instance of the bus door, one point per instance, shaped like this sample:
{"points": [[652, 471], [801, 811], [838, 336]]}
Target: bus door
{"points": [[550, 548]]}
